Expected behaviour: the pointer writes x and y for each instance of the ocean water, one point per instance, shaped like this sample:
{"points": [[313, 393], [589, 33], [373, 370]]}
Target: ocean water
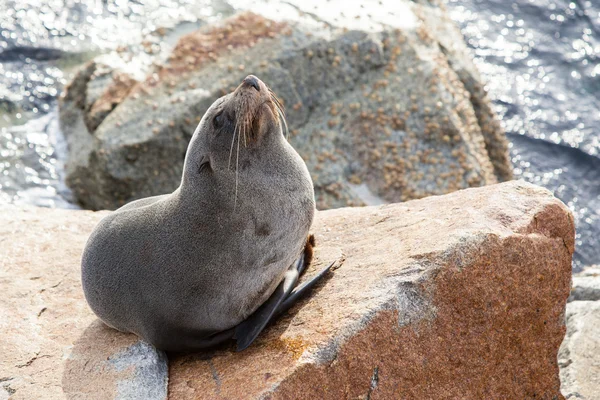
{"points": [[541, 62], [539, 59]]}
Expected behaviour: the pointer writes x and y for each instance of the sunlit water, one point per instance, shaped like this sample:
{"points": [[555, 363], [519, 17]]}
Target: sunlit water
{"points": [[539, 59]]}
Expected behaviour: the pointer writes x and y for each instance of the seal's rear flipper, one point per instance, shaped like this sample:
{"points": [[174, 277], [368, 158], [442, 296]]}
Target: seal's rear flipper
{"points": [[301, 291], [250, 328]]}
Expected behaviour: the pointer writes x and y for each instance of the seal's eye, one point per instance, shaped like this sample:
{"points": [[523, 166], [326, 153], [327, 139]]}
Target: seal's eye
{"points": [[219, 119]]}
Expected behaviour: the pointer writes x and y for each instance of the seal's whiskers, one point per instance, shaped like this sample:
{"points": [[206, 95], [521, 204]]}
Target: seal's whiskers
{"points": [[247, 122], [285, 125], [235, 130], [237, 163], [280, 111]]}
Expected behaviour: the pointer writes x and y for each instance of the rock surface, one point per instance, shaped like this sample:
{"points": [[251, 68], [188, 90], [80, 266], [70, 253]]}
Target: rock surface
{"points": [[51, 345], [458, 296], [579, 355], [391, 113]]}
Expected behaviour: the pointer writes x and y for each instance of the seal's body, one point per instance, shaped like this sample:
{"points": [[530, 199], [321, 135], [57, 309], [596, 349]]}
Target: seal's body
{"points": [[184, 271]]}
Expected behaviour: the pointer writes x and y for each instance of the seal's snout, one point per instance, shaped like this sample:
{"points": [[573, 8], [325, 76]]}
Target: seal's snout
{"points": [[252, 81], [257, 106]]}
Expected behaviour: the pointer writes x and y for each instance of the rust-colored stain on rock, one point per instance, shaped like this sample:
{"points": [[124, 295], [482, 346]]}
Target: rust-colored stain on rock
{"points": [[296, 346], [112, 96]]}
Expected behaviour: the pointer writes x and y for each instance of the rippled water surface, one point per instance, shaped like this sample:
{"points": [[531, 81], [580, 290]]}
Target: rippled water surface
{"points": [[538, 57]]}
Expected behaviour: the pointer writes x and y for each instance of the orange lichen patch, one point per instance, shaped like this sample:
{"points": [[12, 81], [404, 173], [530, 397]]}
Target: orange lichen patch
{"points": [[355, 179], [201, 46], [295, 346]]}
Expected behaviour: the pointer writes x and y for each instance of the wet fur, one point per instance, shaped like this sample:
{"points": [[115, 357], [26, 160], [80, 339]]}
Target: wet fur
{"points": [[178, 269]]}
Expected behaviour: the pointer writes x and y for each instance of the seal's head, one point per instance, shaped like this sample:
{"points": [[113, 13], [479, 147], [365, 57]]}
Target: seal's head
{"points": [[240, 141]]}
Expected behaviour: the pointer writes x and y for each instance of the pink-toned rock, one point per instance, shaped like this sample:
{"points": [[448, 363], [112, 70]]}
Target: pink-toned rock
{"points": [[457, 296]]}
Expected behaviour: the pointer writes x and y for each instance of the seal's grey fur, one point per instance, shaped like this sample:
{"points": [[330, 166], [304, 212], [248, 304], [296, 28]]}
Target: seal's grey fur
{"points": [[183, 270]]}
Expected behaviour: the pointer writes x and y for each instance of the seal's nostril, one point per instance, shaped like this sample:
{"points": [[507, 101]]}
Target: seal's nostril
{"points": [[252, 81]]}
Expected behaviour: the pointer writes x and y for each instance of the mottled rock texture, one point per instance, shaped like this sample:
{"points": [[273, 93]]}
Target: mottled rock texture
{"points": [[389, 114], [457, 296]]}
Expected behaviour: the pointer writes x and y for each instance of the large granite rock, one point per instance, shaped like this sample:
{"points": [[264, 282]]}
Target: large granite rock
{"points": [[458, 296], [390, 112]]}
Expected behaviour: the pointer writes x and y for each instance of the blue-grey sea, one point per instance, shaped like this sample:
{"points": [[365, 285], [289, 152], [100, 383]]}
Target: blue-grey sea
{"points": [[539, 59]]}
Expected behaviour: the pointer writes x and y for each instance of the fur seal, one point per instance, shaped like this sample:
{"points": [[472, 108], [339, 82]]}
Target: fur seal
{"points": [[219, 257]]}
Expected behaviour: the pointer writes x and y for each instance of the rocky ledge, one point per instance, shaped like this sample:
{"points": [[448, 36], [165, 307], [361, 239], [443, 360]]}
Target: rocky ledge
{"points": [[456, 296], [386, 113]]}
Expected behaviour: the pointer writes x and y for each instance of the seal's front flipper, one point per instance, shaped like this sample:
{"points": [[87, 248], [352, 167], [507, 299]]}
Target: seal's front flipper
{"points": [[250, 328], [301, 290]]}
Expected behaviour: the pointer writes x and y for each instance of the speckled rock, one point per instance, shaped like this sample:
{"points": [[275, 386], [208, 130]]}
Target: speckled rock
{"points": [[458, 296], [379, 115], [51, 344], [586, 285], [579, 355]]}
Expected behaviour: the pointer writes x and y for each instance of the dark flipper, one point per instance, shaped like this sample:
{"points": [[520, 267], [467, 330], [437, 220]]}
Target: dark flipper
{"points": [[301, 291], [250, 328]]}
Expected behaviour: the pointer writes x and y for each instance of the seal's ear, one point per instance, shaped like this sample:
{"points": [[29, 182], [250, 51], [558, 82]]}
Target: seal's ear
{"points": [[204, 164]]}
